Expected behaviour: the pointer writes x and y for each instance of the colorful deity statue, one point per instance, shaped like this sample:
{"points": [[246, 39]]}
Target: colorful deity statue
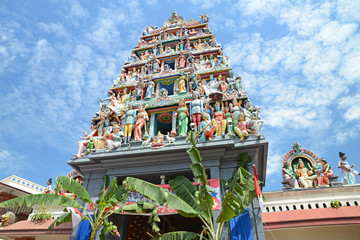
{"points": [[289, 176], [130, 118], [82, 144], [326, 173], [207, 129], [139, 90], [219, 120], [305, 176], [222, 84], [142, 117], [182, 84], [196, 109], [242, 128], [182, 114], [229, 121], [116, 137], [182, 61], [347, 170], [150, 89]]}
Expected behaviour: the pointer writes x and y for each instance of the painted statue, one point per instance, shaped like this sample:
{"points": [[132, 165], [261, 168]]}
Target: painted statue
{"points": [[289, 175], [116, 138], [196, 109], [142, 117], [207, 129], [306, 177], [182, 84], [182, 114], [242, 128], [326, 173], [219, 120], [82, 144], [229, 121], [150, 90], [347, 170], [130, 118]]}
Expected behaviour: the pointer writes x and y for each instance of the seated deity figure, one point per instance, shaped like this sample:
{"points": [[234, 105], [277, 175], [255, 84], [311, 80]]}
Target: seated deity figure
{"points": [[347, 170], [196, 109], [182, 114], [242, 127], [306, 177], [130, 118], [86, 139], [326, 173], [142, 117], [116, 137], [219, 120], [206, 128], [289, 175]]}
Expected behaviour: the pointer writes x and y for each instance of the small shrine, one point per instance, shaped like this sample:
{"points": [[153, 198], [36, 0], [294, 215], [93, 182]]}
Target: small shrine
{"points": [[303, 169], [175, 79]]}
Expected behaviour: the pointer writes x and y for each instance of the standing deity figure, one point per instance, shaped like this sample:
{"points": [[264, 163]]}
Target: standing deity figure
{"points": [[182, 114], [222, 84], [256, 123], [196, 109], [150, 90], [130, 118], [182, 84], [115, 140], [142, 117], [219, 120], [206, 128], [182, 61], [347, 170], [139, 91], [242, 128], [247, 110], [229, 121], [306, 177], [326, 173], [289, 176], [190, 60]]}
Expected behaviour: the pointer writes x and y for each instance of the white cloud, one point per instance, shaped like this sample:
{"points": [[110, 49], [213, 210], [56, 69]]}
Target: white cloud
{"points": [[12, 163], [335, 33], [348, 10]]}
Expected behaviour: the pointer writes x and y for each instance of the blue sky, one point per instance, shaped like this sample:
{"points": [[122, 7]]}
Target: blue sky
{"points": [[300, 62]]}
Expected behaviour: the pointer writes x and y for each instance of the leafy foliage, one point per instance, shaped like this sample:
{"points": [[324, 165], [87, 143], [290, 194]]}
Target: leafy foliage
{"points": [[196, 200]]}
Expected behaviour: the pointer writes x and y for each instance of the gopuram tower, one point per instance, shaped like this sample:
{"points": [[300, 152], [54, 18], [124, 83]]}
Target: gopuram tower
{"points": [[176, 79]]}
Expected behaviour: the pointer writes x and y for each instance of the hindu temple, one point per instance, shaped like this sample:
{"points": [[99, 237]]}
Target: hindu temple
{"points": [[176, 79]]}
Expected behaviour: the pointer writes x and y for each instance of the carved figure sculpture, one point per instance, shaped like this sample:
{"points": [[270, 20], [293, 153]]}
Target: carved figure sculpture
{"points": [[182, 84], [86, 139], [182, 114], [289, 176], [142, 117], [326, 173], [7, 219], [130, 118], [347, 170], [219, 120], [115, 140], [306, 177], [242, 128], [150, 90], [206, 128], [196, 109]]}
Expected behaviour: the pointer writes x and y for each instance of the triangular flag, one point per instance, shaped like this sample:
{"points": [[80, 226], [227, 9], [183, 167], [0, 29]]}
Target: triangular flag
{"points": [[257, 189]]}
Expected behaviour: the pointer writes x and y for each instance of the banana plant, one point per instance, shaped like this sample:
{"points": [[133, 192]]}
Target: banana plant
{"points": [[109, 195], [196, 200]]}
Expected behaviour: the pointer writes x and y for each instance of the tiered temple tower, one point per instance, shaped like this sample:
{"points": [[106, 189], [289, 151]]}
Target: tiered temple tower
{"points": [[176, 79]]}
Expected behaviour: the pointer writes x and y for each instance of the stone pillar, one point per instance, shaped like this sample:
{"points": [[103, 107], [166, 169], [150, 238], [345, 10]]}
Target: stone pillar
{"points": [[152, 122]]}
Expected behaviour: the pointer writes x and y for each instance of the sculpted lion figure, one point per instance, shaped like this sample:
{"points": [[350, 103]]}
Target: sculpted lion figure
{"points": [[7, 219]]}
